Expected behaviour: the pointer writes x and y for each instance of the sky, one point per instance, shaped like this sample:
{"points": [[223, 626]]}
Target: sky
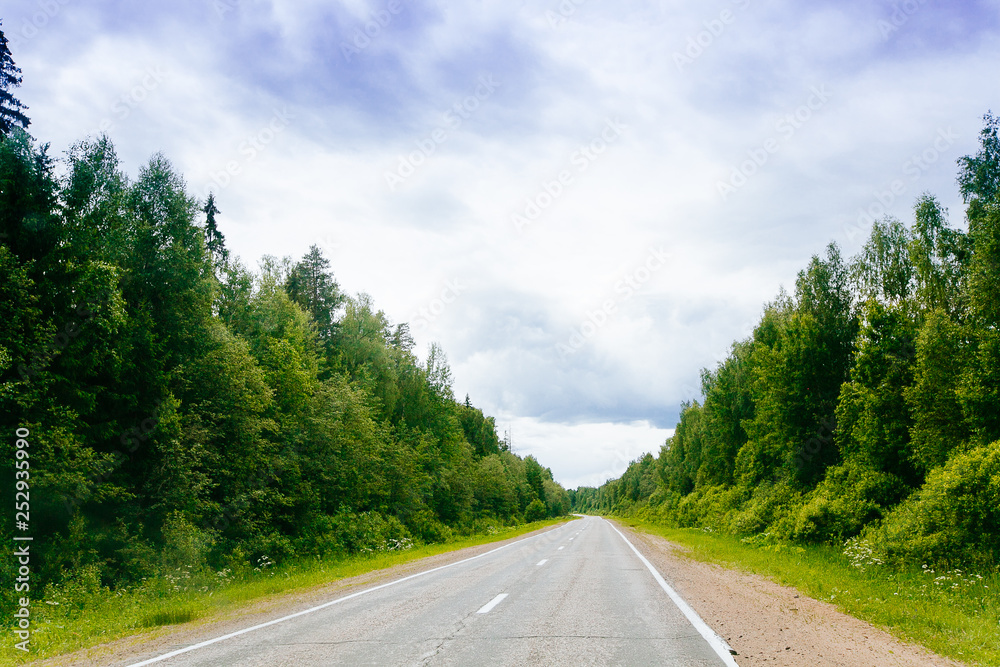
{"points": [[585, 203]]}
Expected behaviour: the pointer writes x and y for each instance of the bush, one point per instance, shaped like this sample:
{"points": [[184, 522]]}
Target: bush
{"points": [[770, 505], [427, 528], [954, 519], [270, 547], [78, 590], [365, 532], [184, 545], [535, 511], [848, 498]]}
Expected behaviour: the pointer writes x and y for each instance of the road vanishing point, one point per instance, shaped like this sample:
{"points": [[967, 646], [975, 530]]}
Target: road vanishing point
{"points": [[579, 594]]}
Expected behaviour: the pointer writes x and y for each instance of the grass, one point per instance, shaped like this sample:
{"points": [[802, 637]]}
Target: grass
{"points": [[64, 624], [955, 614]]}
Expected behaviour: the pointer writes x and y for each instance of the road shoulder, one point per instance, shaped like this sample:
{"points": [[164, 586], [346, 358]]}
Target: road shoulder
{"points": [[767, 623]]}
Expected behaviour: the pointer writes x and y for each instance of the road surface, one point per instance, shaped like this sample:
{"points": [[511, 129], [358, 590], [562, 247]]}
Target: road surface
{"points": [[576, 595]]}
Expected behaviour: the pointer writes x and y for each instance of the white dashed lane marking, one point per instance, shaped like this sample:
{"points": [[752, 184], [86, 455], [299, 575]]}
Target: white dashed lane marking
{"points": [[486, 608]]}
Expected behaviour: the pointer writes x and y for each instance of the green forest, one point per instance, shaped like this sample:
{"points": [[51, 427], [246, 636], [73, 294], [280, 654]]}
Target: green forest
{"points": [[865, 407], [169, 407]]}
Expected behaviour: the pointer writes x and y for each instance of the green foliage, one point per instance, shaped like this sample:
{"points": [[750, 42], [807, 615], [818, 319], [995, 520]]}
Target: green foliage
{"points": [[11, 109], [938, 423], [535, 510], [184, 545], [728, 405], [866, 406], [681, 456], [979, 392], [187, 413], [940, 255], [770, 506], [494, 490], [364, 532], [480, 431], [850, 497], [873, 418], [311, 285], [954, 519], [979, 175]]}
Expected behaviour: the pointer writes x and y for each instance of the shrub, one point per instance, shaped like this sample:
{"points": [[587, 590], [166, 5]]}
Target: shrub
{"points": [[535, 511], [427, 528], [184, 545], [849, 497], [769, 505], [953, 519]]}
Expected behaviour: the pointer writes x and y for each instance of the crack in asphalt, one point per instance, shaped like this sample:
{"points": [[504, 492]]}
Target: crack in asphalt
{"points": [[458, 628]]}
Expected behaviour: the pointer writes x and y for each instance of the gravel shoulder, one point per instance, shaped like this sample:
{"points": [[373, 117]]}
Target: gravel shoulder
{"points": [[774, 625], [128, 650]]}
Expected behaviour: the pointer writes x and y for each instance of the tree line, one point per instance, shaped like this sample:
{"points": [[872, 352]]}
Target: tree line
{"points": [[184, 408], [865, 405]]}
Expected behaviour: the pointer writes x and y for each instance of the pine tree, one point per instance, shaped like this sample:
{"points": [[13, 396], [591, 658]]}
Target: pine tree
{"points": [[11, 109]]}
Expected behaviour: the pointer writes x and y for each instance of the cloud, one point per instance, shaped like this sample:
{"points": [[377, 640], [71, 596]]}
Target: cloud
{"points": [[260, 101]]}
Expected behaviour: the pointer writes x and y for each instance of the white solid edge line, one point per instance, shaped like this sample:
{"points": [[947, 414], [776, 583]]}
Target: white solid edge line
{"points": [[209, 642], [486, 608], [717, 643]]}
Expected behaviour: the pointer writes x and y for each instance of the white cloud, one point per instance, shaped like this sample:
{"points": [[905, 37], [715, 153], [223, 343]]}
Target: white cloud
{"points": [[321, 179]]}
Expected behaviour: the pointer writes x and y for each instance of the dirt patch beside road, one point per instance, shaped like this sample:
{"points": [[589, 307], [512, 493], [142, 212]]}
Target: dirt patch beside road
{"points": [[769, 624]]}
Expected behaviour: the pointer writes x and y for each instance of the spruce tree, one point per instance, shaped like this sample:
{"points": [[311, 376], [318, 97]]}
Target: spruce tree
{"points": [[215, 242], [311, 285], [11, 109]]}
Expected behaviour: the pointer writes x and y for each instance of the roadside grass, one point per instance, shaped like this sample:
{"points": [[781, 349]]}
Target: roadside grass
{"points": [[955, 614], [72, 622]]}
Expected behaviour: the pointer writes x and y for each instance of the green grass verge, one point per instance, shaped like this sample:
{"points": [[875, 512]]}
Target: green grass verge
{"points": [[955, 614], [102, 616]]}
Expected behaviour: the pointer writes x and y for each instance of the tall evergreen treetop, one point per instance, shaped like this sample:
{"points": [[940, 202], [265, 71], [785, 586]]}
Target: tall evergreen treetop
{"points": [[11, 109], [215, 242], [311, 284]]}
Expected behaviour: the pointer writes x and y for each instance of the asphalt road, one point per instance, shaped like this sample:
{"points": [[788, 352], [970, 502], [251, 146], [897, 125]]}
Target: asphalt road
{"points": [[576, 595]]}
